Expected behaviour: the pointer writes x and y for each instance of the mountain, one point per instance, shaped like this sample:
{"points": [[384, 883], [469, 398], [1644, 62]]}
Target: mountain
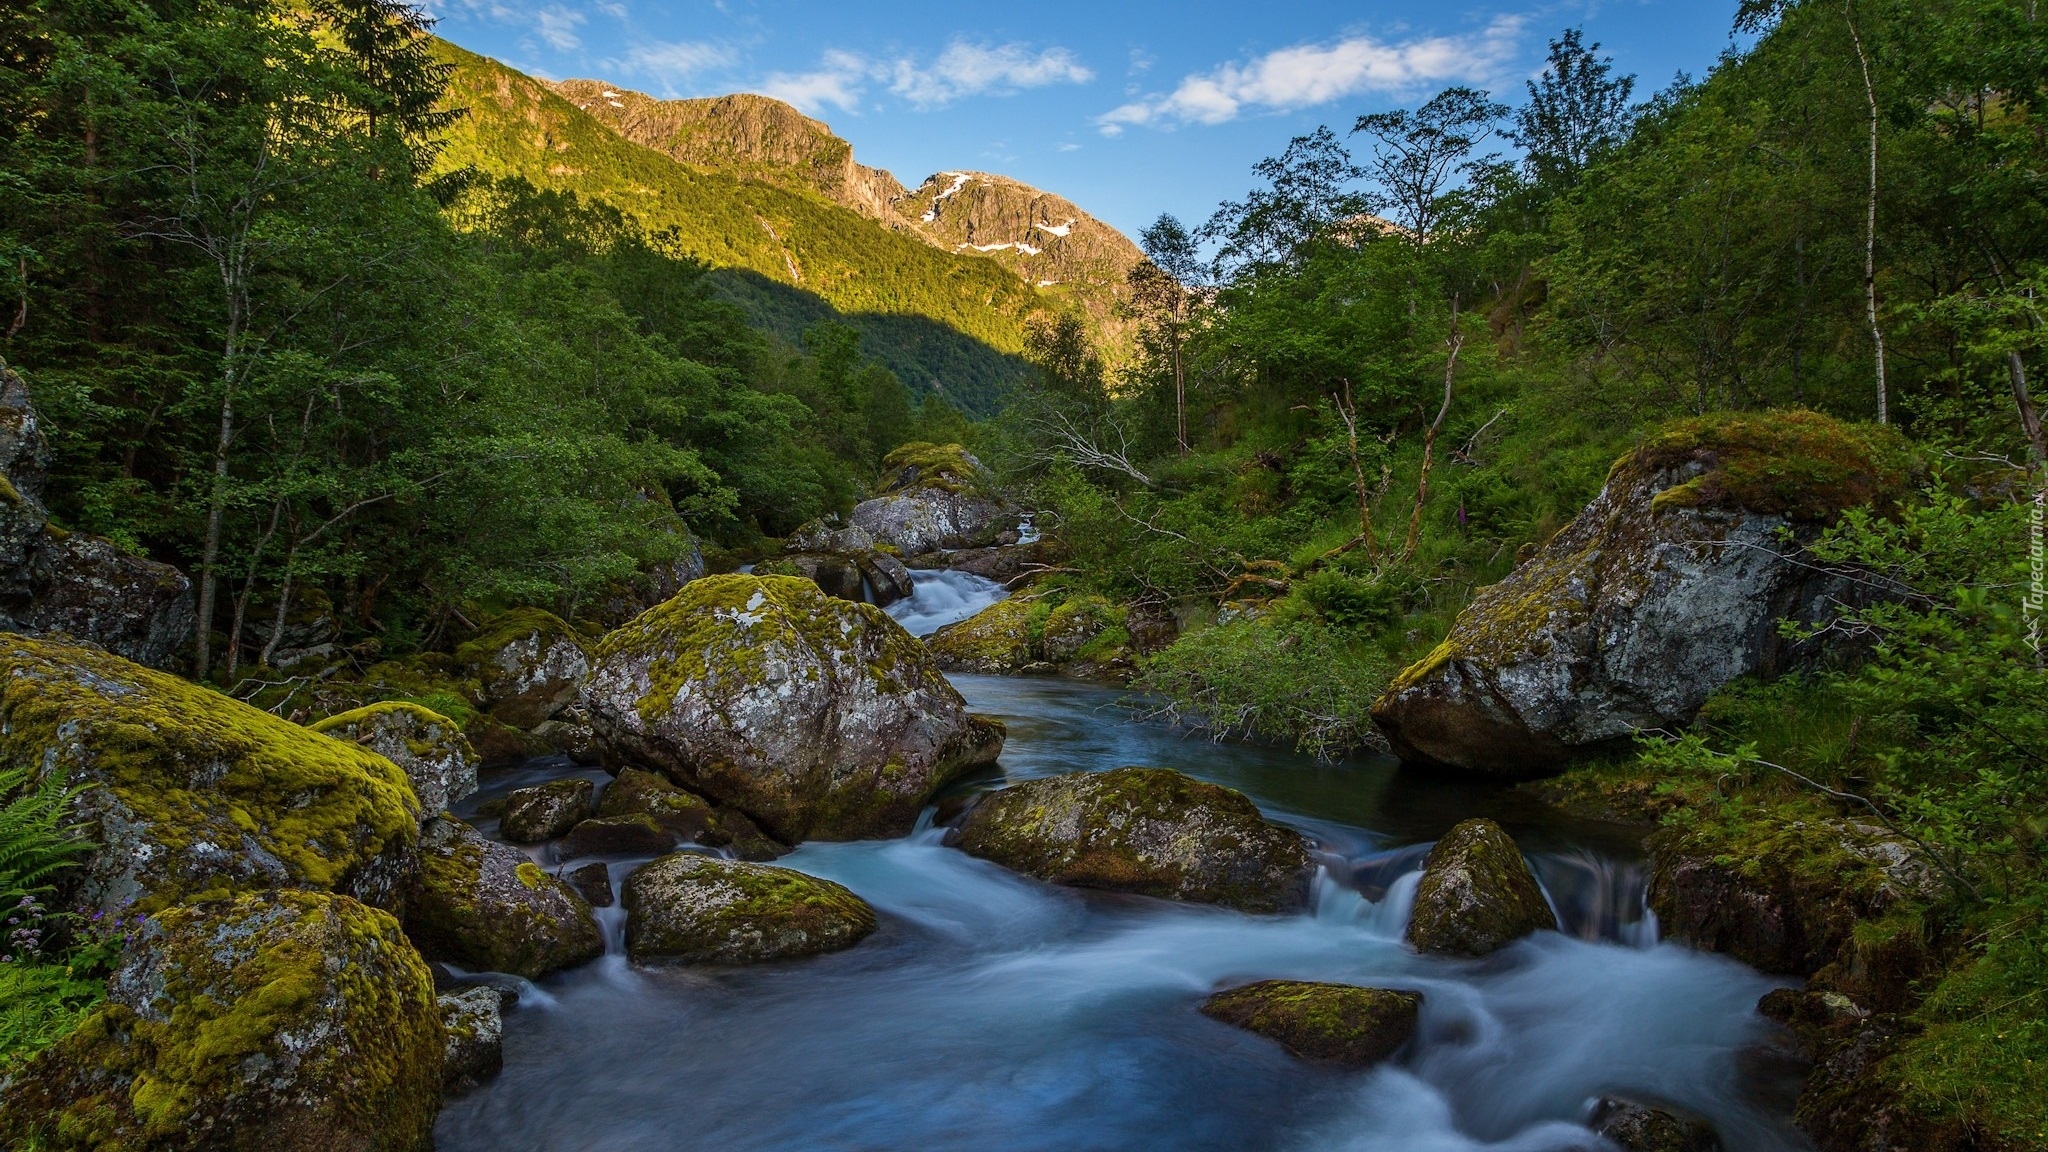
{"points": [[1043, 239], [789, 255]]}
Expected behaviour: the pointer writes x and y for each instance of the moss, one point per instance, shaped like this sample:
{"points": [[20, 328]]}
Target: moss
{"points": [[1797, 464], [1477, 894], [1338, 1023], [1002, 637], [191, 770], [686, 908], [485, 905], [946, 467], [509, 628], [320, 993]]}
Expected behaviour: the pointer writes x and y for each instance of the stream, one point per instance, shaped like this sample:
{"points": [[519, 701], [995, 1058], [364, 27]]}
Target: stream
{"points": [[998, 1014]]}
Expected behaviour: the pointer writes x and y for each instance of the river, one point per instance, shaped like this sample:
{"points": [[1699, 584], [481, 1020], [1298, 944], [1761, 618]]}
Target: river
{"points": [[997, 1014]]}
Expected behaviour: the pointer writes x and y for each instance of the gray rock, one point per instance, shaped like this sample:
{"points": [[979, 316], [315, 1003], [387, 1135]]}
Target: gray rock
{"points": [[888, 580], [927, 519], [828, 535], [691, 818], [815, 716], [593, 882], [692, 909], [485, 906], [1477, 894], [474, 1028], [1669, 585], [1150, 831], [837, 575], [428, 746], [1637, 1128], [634, 835], [530, 665], [1331, 1023], [543, 812]]}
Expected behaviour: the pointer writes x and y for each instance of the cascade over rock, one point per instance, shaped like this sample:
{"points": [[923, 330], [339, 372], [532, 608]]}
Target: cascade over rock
{"points": [[1150, 831], [1477, 894], [815, 716], [281, 1021], [54, 581], [200, 794], [1670, 584]]}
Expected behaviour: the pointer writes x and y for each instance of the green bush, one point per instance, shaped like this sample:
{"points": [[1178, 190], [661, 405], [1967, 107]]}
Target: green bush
{"points": [[1297, 680]]}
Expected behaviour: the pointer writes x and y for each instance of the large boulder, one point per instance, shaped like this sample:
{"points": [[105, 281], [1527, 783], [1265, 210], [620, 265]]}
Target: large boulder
{"points": [[1477, 894], [1150, 831], [428, 746], [1333, 1023], [815, 716], [1670, 584], [197, 794], [931, 498], [1000, 639], [692, 909], [529, 664], [484, 905], [829, 535], [277, 1021], [58, 582]]}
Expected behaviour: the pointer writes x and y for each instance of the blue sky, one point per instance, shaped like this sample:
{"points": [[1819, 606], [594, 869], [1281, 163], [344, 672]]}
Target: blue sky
{"points": [[1128, 109]]}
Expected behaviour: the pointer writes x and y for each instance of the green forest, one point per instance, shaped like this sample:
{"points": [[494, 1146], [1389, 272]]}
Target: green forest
{"points": [[306, 315]]}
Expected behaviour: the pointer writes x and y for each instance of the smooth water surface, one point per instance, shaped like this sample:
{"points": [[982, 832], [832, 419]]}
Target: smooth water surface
{"points": [[995, 1013]]}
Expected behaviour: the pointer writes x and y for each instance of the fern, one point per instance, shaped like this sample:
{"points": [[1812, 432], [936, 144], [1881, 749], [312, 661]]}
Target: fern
{"points": [[36, 841]]}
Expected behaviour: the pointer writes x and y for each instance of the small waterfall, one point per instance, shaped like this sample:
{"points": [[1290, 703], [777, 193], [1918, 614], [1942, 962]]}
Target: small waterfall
{"points": [[1598, 898], [942, 596]]}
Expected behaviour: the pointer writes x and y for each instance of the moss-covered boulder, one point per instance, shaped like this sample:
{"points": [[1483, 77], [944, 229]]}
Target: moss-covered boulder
{"points": [[1151, 831], [1000, 639], [693, 819], [692, 909], [817, 717], [1670, 584], [1075, 627], [428, 746], [279, 1021], [538, 814], [529, 664], [198, 795], [933, 497], [1477, 894], [829, 535], [473, 1028], [1333, 1023], [485, 906]]}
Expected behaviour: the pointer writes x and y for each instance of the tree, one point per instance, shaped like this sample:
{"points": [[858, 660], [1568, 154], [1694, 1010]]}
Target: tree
{"points": [[1308, 193], [1577, 110], [1162, 295], [1420, 157]]}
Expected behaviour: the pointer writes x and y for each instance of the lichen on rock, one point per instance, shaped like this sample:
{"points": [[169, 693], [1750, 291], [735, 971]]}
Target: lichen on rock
{"points": [[426, 745], [931, 498], [1333, 1023], [1477, 894], [474, 1047], [1670, 584], [817, 717], [281, 1021], [529, 664], [1149, 831], [690, 817], [544, 811], [198, 795], [485, 906], [693, 909]]}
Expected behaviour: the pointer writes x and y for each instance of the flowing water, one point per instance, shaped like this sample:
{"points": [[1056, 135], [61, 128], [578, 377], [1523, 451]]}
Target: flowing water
{"points": [[991, 1012]]}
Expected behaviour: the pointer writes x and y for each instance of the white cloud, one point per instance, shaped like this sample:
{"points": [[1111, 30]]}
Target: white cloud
{"points": [[1069, 146], [965, 69], [1309, 74], [557, 25], [673, 60], [839, 80]]}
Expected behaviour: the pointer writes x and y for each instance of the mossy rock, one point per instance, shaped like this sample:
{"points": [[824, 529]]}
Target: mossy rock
{"points": [[1149, 831], [692, 909], [1330, 1023], [932, 497], [1001, 638], [472, 1024], [195, 795], [1072, 627], [271, 1022], [1477, 894], [499, 745], [485, 906], [923, 465], [529, 664], [816, 717], [1641, 1128], [1670, 584], [636, 834], [690, 817], [428, 746], [538, 814]]}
